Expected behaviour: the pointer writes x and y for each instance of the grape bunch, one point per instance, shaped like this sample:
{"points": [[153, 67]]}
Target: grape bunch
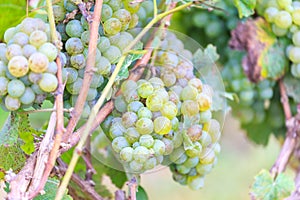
{"points": [[284, 17], [27, 65], [167, 119], [116, 19]]}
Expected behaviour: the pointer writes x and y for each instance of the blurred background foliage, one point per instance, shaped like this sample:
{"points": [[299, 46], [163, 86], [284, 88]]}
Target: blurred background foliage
{"points": [[240, 159]]}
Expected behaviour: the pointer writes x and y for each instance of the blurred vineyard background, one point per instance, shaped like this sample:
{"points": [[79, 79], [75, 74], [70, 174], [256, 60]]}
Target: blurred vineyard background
{"points": [[239, 161]]}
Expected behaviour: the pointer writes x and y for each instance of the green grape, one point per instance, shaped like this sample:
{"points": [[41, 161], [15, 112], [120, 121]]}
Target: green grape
{"points": [[195, 132], [97, 81], [154, 102], [18, 66], [131, 96], [144, 126], [283, 19], [162, 125], [122, 41], [132, 135], [136, 166], [15, 88], [85, 38], [61, 28], [74, 46], [92, 94], [296, 16], [38, 62], [183, 169], [149, 8], [113, 54], [200, 19], [134, 21], [294, 54], [128, 85], [103, 44], [146, 141], [144, 112], [34, 77], [13, 50], [71, 75], [37, 38], [204, 102], [117, 129], [103, 67], [141, 13], [20, 39], [169, 146], [270, 14], [279, 31], [132, 7], [78, 61], [52, 68], [3, 85], [135, 106], [207, 156], [266, 93], [284, 3], [214, 130], [295, 70], [12, 103], [205, 139], [156, 82], [204, 169], [120, 104], [159, 147], [177, 156], [48, 82], [115, 4], [3, 68], [74, 28], [129, 119], [189, 108], [168, 59], [86, 111], [195, 182], [37, 90], [112, 26], [150, 163], [9, 34], [28, 97], [74, 88], [189, 93], [59, 13], [169, 110], [106, 12], [28, 50], [296, 38], [191, 162], [180, 178], [168, 78], [124, 17], [126, 154], [141, 154], [119, 143], [145, 89], [49, 50]]}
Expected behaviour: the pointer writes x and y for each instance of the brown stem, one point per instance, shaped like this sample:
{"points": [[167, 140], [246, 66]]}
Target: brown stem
{"points": [[83, 9], [132, 188], [120, 195], [87, 157], [84, 185], [291, 139], [89, 71]]}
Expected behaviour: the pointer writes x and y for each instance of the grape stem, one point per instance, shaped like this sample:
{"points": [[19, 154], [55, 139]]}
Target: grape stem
{"points": [[105, 92], [132, 184], [292, 134]]}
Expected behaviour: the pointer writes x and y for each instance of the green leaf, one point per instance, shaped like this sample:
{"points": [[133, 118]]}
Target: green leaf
{"points": [[292, 86], [51, 190], [245, 7], [9, 131], [141, 194], [266, 188], [205, 57]]}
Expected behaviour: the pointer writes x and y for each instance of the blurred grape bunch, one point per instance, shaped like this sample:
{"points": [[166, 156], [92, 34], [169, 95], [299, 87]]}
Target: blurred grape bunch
{"points": [[11, 13]]}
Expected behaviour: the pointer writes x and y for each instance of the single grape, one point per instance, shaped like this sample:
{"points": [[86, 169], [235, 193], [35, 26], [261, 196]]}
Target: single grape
{"points": [[18, 66], [207, 156], [279, 31], [159, 147], [178, 156], [141, 154], [132, 135], [145, 89], [294, 54], [296, 16], [129, 119], [162, 125], [136, 166], [74, 46], [49, 50], [78, 61], [52, 68], [12, 103], [92, 94], [134, 21], [124, 17], [74, 28], [144, 126], [20, 39], [126, 154], [146, 141], [48, 83], [119, 143], [37, 38], [28, 97], [103, 44], [59, 13], [3, 85], [169, 110], [195, 182], [28, 50], [113, 54], [38, 62], [74, 88], [112, 26], [135, 106], [9, 34], [103, 67], [283, 19], [115, 4], [270, 14], [150, 163], [168, 78], [189, 108], [144, 112], [34, 77], [132, 7], [120, 104], [13, 50], [154, 102]]}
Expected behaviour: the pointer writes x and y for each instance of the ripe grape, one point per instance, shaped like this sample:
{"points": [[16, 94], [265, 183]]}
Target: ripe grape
{"points": [[146, 141], [162, 125], [141, 154], [74, 46], [126, 154], [113, 54], [12, 103], [112, 26], [49, 50], [28, 97], [37, 38], [74, 28], [3, 85], [13, 50], [15, 88], [18, 66], [119, 143], [38, 62], [144, 126], [48, 83]]}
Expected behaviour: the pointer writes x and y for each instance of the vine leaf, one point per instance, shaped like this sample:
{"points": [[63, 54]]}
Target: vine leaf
{"points": [[141, 194], [266, 188], [292, 86], [9, 131], [265, 54], [50, 191], [245, 7]]}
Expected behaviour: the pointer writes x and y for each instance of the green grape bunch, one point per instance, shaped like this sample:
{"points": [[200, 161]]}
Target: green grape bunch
{"points": [[27, 65], [166, 119]]}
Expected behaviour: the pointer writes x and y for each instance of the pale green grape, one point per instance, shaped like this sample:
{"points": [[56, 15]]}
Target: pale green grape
{"points": [[162, 125], [15, 88], [48, 82], [144, 126]]}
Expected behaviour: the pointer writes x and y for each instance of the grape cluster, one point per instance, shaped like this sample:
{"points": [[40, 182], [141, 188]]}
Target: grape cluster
{"points": [[284, 17], [117, 17], [27, 65], [167, 119]]}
